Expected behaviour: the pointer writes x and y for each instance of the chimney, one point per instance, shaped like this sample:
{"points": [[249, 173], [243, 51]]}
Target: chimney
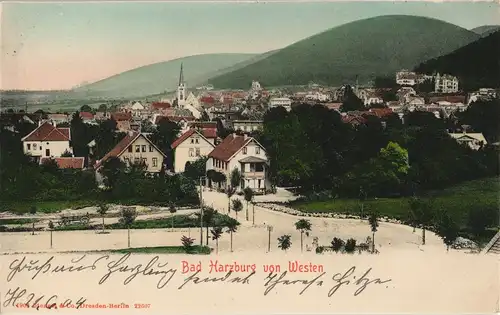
{"points": [[234, 134], [245, 137]]}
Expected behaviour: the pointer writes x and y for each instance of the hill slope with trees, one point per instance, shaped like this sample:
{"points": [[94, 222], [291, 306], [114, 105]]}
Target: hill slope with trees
{"points": [[366, 48], [476, 65]]}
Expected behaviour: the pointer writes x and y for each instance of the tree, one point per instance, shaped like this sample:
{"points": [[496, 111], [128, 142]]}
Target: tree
{"points": [[102, 108], [248, 193], [350, 246], [102, 209], [111, 170], [337, 244], [373, 220], [232, 227], [350, 101], [362, 199], [235, 178], [66, 153], [33, 211], [385, 82], [86, 108], [479, 219], [165, 134], [216, 234], [208, 219], [284, 242], [196, 169], [187, 243], [304, 226], [127, 218], [229, 193], [237, 206], [427, 86], [51, 228], [389, 96], [172, 211], [446, 228], [422, 212]]}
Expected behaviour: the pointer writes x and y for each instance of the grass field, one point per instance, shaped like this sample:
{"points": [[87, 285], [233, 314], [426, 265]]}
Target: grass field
{"points": [[196, 249], [20, 207], [458, 200], [17, 221]]}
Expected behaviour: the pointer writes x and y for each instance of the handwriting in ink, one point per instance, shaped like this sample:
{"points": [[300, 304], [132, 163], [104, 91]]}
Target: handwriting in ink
{"points": [[272, 282], [197, 280], [21, 298], [362, 282]]}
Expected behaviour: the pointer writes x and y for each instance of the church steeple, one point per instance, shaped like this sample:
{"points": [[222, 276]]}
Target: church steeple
{"points": [[181, 76]]}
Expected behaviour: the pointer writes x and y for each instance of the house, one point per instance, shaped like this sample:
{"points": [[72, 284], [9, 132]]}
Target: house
{"points": [[87, 117], [405, 77], [47, 140], [136, 148], [281, 101], [160, 105], [66, 162], [446, 84], [248, 125], [246, 155], [192, 145], [59, 118], [99, 116], [123, 120], [473, 140], [137, 106]]}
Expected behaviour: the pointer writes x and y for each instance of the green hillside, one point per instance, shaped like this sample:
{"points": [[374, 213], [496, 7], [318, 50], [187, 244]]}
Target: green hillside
{"points": [[367, 48], [476, 65], [159, 77], [485, 30]]}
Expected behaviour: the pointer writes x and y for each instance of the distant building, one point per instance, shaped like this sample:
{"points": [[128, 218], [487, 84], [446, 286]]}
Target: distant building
{"points": [[247, 125], [405, 77], [446, 84], [192, 145], [281, 101]]}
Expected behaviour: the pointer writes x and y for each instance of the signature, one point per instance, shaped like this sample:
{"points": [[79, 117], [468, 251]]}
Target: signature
{"points": [[346, 279], [227, 278]]}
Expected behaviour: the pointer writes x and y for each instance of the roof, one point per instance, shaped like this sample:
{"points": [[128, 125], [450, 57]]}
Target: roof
{"points": [[229, 146], [122, 146], [58, 116], [66, 162], [160, 105], [180, 118], [207, 99], [381, 112], [47, 132], [448, 98], [203, 124], [192, 131], [476, 136], [119, 116], [86, 115], [251, 159]]}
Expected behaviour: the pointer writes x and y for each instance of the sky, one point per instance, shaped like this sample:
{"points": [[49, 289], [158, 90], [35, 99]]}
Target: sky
{"points": [[47, 46]]}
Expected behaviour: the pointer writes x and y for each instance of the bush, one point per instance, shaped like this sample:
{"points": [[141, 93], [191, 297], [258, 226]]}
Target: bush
{"points": [[337, 244], [320, 249], [350, 246]]}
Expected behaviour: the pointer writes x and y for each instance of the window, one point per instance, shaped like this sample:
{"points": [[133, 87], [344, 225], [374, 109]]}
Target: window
{"points": [[197, 151], [143, 148], [34, 146], [192, 140], [197, 140], [245, 150], [259, 167], [191, 152], [257, 150], [259, 181], [137, 148], [127, 161], [129, 148], [29, 146], [155, 162], [144, 160], [150, 148]]}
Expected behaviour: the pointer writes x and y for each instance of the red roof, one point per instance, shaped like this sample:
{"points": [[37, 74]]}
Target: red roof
{"points": [[66, 162], [47, 132], [381, 112], [86, 115], [118, 116], [206, 133], [207, 100], [122, 146], [354, 120], [160, 105], [229, 146]]}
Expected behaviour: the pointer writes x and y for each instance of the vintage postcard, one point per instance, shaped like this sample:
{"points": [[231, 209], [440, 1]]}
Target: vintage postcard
{"points": [[260, 157]]}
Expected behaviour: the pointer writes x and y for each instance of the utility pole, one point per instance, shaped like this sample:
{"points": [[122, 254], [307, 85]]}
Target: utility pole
{"points": [[269, 229], [201, 213]]}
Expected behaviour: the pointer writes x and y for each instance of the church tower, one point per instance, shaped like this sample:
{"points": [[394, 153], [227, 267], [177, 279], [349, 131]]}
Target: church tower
{"points": [[181, 90]]}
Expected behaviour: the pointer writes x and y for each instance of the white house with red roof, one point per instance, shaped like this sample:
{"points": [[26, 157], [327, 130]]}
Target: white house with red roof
{"points": [[47, 140], [245, 154], [135, 148], [66, 162], [191, 145]]}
